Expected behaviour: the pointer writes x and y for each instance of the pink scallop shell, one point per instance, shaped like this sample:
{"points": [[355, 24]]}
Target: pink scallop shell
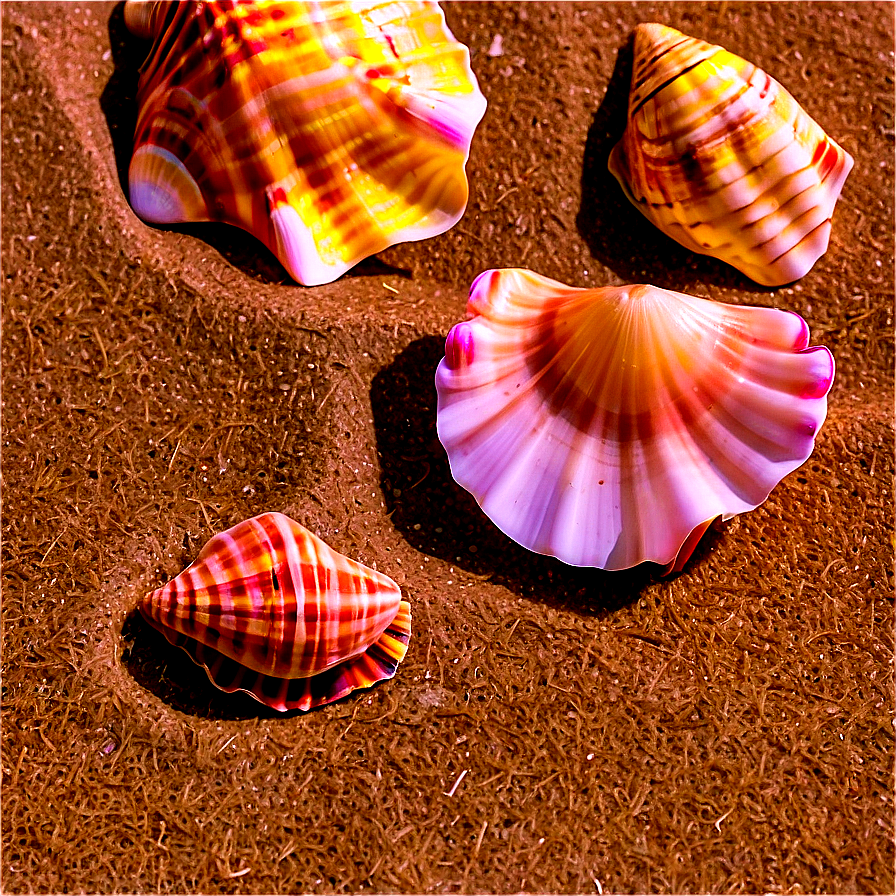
{"points": [[608, 427]]}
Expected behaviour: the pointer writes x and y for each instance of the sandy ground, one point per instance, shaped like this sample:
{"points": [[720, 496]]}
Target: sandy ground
{"points": [[552, 729]]}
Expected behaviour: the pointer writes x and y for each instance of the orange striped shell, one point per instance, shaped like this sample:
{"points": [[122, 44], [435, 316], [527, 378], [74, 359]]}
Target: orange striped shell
{"points": [[270, 609], [722, 158], [328, 130]]}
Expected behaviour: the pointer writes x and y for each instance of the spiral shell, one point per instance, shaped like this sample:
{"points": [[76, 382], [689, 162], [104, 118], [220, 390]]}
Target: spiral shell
{"points": [[328, 130], [608, 427], [721, 158], [270, 609]]}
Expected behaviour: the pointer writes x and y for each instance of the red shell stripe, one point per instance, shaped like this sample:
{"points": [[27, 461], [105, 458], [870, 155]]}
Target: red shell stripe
{"points": [[273, 597]]}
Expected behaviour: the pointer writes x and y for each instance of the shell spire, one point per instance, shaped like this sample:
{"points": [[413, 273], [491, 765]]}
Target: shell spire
{"points": [[144, 17], [721, 158], [270, 609], [328, 130], [608, 427]]}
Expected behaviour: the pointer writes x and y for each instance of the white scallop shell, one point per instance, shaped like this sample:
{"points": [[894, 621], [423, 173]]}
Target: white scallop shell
{"points": [[606, 426]]}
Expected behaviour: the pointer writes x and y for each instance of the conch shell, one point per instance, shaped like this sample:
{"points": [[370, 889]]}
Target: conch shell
{"points": [[721, 158], [270, 609], [608, 427], [328, 130]]}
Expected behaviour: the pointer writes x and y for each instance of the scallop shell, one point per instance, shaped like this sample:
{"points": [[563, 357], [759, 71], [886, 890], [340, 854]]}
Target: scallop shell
{"points": [[328, 130], [608, 427], [721, 158], [269, 609]]}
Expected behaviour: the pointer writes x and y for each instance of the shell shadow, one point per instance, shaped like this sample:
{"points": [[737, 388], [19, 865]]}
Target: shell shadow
{"points": [[168, 672], [118, 100], [239, 248], [616, 233], [439, 518]]}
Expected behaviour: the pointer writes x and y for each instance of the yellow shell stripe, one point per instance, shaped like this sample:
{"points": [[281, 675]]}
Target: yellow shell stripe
{"points": [[353, 176]]}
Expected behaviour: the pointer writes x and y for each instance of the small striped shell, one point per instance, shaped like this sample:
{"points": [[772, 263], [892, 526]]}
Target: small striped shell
{"points": [[269, 609], [608, 427], [328, 130], [721, 158]]}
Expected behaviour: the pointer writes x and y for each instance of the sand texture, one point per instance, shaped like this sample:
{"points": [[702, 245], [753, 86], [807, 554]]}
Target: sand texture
{"points": [[552, 730]]}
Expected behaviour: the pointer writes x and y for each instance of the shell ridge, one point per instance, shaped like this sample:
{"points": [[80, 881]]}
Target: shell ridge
{"points": [[571, 527], [801, 238], [348, 194], [686, 476], [308, 592], [710, 130], [667, 83], [516, 396], [176, 117], [625, 548], [237, 608], [658, 49], [463, 455], [757, 400], [737, 456], [378, 663], [518, 486], [740, 185], [648, 64], [283, 632], [332, 609], [771, 421], [165, 34]]}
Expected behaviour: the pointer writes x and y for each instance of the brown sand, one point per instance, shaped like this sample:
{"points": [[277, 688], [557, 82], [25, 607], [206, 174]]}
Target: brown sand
{"points": [[728, 730]]}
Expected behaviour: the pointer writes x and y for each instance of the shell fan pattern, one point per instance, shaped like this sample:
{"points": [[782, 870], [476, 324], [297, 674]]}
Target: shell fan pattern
{"points": [[269, 609], [720, 157], [328, 130], [608, 427]]}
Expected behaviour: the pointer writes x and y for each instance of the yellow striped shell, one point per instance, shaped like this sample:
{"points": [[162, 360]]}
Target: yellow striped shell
{"points": [[328, 130], [721, 158], [608, 427], [269, 609]]}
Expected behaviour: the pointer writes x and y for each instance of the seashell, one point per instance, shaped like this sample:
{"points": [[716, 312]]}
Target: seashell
{"points": [[143, 17], [328, 130], [721, 158], [269, 609], [608, 427]]}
